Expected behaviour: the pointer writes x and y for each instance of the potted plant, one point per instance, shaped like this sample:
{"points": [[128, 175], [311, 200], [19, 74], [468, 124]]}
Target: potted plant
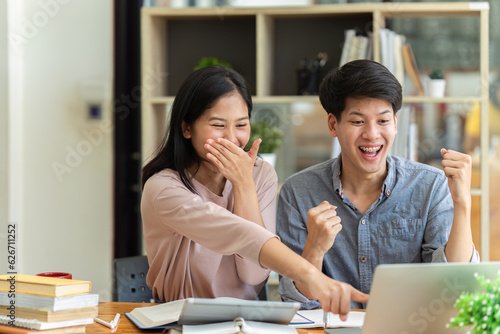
{"points": [[271, 139], [436, 84], [479, 311], [207, 61]]}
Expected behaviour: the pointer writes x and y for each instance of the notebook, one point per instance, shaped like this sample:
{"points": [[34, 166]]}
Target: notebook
{"points": [[418, 298], [42, 325], [196, 311]]}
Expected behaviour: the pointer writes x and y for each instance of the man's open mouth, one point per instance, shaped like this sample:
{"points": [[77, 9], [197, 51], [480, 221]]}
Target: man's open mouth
{"points": [[370, 151]]}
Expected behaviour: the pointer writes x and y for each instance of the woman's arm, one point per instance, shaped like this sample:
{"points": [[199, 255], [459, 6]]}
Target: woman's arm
{"points": [[250, 203], [334, 296], [174, 218]]}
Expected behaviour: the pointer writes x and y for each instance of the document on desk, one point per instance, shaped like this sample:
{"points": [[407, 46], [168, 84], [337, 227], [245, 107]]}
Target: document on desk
{"points": [[316, 319], [238, 326]]}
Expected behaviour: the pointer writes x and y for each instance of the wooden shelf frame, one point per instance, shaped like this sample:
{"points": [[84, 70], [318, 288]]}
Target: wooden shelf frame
{"points": [[157, 23]]}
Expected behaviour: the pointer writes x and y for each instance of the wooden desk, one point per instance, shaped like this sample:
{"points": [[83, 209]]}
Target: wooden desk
{"points": [[108, 310]]}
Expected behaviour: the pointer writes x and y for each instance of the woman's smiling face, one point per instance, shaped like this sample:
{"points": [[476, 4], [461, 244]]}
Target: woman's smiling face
{"points": [[227, 119]]}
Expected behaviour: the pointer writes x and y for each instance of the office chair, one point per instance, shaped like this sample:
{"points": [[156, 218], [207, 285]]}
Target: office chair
{"points": [[129, 280], [264, 293]]}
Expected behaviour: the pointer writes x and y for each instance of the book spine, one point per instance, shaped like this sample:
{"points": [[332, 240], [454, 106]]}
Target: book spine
{"points": [[18, 322]]}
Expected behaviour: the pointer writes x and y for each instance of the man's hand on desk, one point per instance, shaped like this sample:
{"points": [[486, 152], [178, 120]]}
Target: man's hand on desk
{"points": [[335, 296]]}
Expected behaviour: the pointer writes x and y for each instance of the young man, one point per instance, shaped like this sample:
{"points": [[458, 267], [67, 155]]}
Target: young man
{"points": [[366, 207]]}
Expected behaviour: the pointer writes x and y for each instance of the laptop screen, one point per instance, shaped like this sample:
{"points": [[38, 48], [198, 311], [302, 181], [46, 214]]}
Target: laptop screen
{"points": [[419, 298]]}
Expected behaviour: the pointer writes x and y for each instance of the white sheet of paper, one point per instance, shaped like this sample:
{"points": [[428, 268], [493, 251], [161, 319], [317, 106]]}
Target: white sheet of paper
{"points": [[354, 319]]}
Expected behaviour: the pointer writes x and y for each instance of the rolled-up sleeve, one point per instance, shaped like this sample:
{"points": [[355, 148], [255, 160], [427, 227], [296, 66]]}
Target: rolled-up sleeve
{"points": [[267, 188], [439, 224], [293, 233]]}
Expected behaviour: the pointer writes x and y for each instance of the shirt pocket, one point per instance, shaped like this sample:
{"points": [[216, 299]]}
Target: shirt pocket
{"points": [[400, 241]]}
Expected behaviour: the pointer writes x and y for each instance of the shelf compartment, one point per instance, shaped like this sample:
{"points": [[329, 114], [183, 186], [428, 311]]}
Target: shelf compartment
{"points": [[224, 38], [295, 38]]}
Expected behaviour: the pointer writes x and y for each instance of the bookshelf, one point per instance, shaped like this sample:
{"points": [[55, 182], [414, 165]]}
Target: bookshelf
{"points": [[266, 44]]}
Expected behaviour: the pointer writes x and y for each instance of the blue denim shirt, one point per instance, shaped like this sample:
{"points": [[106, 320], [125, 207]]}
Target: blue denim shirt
{"points": [[409, 223]]}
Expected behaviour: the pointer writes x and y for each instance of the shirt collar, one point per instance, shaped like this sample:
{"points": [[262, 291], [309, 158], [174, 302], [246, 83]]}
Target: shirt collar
{"points": [[388, 182]]}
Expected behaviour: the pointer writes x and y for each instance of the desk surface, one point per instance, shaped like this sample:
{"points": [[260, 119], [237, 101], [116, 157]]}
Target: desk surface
{"points": [[108, 310]]}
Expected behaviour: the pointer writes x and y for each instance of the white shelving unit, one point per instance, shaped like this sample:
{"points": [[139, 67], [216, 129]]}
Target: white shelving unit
{"points": [[264, 43]]}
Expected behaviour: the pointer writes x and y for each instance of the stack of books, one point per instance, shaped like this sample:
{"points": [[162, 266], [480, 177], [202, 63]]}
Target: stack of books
{"points": [[45, 304]]}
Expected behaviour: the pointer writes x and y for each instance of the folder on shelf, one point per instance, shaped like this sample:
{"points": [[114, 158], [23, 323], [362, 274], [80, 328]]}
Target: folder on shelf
{"points": [[412, 68]]}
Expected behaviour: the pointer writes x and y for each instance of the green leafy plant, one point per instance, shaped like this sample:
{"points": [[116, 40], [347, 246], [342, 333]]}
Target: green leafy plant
{"points": [[481, 310], [436, 73], [271, 136], [207, 61]]}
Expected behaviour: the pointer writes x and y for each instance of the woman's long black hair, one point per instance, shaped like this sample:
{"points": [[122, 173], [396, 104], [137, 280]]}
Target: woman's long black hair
{"points": [[200, 91]]}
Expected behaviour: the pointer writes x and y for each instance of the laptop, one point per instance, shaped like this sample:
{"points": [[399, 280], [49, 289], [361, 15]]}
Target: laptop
{"points": [[418, 298]]}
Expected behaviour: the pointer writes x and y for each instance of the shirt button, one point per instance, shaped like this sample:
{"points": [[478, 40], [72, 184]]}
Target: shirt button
{"points": [[363, 259], [388, 192], [363, 222]]}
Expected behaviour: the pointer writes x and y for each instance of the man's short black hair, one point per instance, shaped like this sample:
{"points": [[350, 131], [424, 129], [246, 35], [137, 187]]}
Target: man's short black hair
{"points": [[357, 79]]}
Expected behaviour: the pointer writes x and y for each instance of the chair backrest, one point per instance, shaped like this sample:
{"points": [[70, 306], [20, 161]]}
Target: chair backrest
{"points": [[129, 280], [264, 293]]}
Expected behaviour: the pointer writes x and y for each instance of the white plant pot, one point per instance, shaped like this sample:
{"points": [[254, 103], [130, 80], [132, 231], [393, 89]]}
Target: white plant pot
{"points": [[269, 157], [436, 87]]}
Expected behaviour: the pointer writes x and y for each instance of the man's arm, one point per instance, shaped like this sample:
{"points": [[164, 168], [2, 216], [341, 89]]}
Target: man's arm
{"points": [[319, 233], [323, 225], [333, 295], [457, 168]]}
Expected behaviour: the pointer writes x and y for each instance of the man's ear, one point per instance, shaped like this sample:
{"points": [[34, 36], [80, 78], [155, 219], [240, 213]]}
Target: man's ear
{"points": [[396, 121], [332, 124], [186, 130]]}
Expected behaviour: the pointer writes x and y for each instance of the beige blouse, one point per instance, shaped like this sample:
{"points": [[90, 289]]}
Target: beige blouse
{"points": [[196, 246]]}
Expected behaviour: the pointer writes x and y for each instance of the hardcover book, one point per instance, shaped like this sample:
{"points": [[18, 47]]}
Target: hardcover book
{"points": [[39, 285], [49, 303], [50, 316]]}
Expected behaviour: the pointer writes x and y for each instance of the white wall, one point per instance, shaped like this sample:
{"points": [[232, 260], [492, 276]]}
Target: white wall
{"points": [[64, 159], [3, 134]]}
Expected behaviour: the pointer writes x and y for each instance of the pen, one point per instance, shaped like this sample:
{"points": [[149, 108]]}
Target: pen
{"points": [[325, 318], [111, 324], [115, 320]]}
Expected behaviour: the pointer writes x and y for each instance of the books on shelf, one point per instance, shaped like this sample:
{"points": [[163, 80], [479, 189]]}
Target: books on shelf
{"points": [[195, 311], [391, 55], [395, 54], [360, 46], [399, 70], [51, 303], [387, 48], [356, 46], [46, 286]]}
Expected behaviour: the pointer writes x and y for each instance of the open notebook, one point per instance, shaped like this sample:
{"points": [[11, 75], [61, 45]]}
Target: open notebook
{"points": [[196, 311]]}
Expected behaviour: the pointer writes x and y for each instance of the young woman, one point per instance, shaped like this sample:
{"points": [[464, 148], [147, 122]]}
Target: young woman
{"points": [[208, 206]]}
